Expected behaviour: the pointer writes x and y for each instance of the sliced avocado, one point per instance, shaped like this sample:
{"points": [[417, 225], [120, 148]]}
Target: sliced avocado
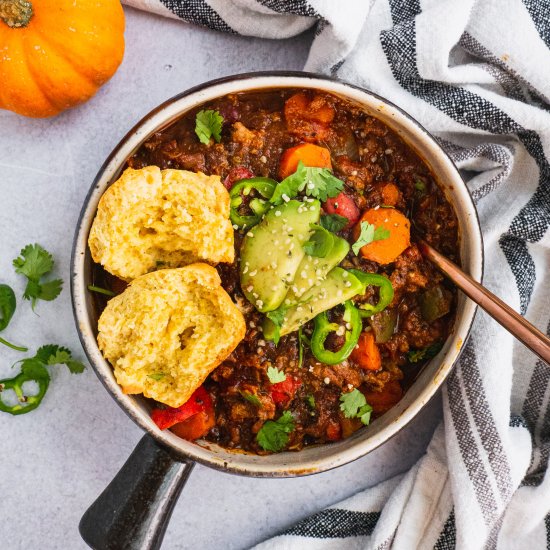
{"points": [[312, 270], [339, 285], [272, 251]]}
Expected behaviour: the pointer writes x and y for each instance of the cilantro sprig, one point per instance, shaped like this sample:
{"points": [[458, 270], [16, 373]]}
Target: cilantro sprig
{"points": [[354, 405], [273, 435], [369, 233], [52, 354], [318, 183], [208, 124], [424, 354], [34, 262]]}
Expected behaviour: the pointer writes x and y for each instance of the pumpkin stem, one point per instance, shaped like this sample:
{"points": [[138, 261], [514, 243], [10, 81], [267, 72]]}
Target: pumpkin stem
{"points": [[15, 13]]}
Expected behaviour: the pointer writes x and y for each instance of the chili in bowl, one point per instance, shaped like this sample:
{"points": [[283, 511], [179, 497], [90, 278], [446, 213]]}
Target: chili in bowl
{"points": [[348, 330], [341, 309]]}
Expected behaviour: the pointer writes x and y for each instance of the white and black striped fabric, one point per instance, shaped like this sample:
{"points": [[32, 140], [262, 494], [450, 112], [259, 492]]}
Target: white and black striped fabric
{"points": [[477, 74]]}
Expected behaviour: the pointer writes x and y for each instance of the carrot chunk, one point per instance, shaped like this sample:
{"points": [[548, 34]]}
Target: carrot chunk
{"points": [[366, 354], [308, 119], [382, 401], [308, 153], [315, 110], [390, 194], [386, 250]]}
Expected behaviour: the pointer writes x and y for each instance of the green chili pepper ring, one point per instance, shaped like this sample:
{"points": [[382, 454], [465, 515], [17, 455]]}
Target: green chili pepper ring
{"points": [[7, 309], [264, 187], [31, 370], [323, 328], [385, 290]]}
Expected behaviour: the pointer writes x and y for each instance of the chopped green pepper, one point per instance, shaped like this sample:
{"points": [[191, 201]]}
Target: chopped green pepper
{"points": [[7, 309], [31, 370], [383, 325], [323, 328], [435, 303], [264, 187], [385, 291]]}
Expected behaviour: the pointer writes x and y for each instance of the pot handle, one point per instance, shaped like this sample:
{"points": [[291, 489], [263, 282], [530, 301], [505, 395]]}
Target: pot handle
{"points": [[133, 511]]}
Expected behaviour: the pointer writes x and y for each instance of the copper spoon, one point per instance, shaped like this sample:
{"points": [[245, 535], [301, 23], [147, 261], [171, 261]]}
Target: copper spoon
{"points": [[514, 323]]}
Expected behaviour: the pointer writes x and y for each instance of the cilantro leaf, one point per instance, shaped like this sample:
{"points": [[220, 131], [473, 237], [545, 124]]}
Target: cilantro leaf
{"points": [[364, 414], [273, 435], [32, 290], [369, 233], [251, 398], [50, 291], [426, 353], [381, 234], [34, 262], [275, 375], [319, 183], [208, 123], [44, 353], [34, 369], [277, 317], [320, 242], [311, 401], [351, 402], [52, 354], [354, 405], [59, 357], [156, 376], [334, 222]]}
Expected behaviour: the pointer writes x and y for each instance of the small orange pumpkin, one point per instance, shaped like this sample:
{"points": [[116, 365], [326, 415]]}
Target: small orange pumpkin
{"points": [[56, 54]]}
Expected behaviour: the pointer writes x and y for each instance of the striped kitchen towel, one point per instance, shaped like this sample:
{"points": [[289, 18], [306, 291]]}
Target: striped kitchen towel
{"points": [[477, 75]]}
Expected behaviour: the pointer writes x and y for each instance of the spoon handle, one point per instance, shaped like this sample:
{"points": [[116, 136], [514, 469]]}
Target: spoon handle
{"points": [[517, 325]]}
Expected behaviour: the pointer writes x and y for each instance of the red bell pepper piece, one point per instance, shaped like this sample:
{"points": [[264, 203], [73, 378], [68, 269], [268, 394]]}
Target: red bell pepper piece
{"points": [[282, 392], [381, 401], [195, 427], [165, 418]]}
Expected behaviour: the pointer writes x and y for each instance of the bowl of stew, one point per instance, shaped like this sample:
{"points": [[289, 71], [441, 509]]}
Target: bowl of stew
{"points": [[288, 401]]}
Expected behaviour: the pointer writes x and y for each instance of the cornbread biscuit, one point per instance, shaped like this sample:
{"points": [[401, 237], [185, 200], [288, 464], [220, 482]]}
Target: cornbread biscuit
{"points": [[168, 330], [150, 219]]}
